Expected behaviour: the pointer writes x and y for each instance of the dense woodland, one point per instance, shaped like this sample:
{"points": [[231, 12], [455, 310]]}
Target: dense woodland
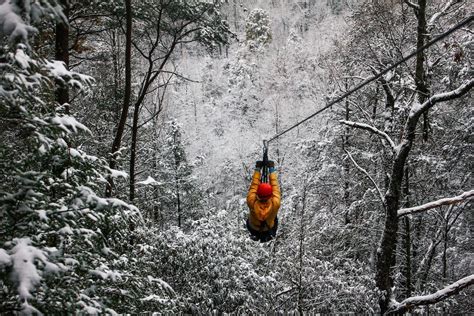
{"points": [[129, 131]]}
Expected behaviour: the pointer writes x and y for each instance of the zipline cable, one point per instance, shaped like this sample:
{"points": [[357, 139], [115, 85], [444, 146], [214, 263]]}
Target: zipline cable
{"points": [[369, 80]]}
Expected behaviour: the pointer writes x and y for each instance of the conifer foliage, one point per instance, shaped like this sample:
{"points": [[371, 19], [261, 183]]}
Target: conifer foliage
{"points": [[56, 230]]}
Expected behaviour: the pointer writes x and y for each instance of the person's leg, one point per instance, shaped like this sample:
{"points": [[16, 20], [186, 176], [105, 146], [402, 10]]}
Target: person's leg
{"points": [[272, 232], [254, 235], [265, 237], [262, 236]]}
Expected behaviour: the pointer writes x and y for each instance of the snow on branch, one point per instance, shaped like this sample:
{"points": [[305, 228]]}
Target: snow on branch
{"points": [[440, 295], [428, 206], [370, 129], [412, 5], [418, 109], [16, 16], [382, 200], [437, 15]]}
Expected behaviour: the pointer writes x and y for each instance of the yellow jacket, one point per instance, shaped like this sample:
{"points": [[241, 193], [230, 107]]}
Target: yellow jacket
{"points": [[263, 213]]}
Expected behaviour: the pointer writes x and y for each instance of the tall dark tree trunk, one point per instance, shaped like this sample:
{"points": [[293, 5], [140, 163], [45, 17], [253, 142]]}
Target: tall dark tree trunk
{"points": [[127, 93], [301, 250], [178, 201], [423, 275], [116, 62], [62, 54], [386, 258], [346, 167], [388, 124], [133, 150], [408, 259], [420, 72], [445, 250], [407, 236], [386, 254], [177, 179], [150, 77]]}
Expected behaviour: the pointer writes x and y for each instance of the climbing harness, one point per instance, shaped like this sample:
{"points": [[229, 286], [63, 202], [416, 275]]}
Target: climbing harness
{"points": [[264, 177], [369, 80]]}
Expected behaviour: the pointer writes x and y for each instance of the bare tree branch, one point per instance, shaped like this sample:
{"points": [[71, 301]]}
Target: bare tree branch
{"points": [[412, 5], [441, 97], [160, 105], [440, 295], [173, 73], [362, 111], [370, 129], [425, 264], [437, 15], [428, 206], [382, 200]]}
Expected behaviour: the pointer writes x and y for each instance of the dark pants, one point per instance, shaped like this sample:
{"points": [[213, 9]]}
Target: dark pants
{"points": [[265, 235]]}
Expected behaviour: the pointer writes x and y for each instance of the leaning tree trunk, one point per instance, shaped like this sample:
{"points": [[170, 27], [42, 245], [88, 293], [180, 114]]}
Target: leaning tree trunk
{"points": [[386, 253], [127, 93]]}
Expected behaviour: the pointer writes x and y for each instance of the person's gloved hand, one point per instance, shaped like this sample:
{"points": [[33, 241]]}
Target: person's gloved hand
{"points": [[271, 166], [259, 165]]}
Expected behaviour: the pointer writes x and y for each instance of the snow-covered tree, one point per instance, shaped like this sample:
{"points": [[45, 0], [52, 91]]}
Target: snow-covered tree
{"points": [[405, 174], [58, 236]]}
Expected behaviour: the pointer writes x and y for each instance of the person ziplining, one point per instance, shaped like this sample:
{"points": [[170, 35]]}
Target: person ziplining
{"points": [[263, 200], [264, 197]]}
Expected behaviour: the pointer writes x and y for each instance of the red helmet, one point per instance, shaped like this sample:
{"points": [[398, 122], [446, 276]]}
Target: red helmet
{"points": [[264, 191]]}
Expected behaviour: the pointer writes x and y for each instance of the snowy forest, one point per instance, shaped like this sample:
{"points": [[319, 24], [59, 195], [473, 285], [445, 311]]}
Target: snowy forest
{"points": [[130, 131]]}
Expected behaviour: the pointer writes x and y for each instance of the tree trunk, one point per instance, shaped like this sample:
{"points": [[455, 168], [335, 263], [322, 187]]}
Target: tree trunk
{"points": [[62, 54], [178, 200], [389, 106], [116, 63], [425, 269], [301, 251], [346, 163], [147, 82], [133, 150], [386, 253], [176, 179], [408, 260], [445, 250], [127, 93], [407, 241], [420, 73]]}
